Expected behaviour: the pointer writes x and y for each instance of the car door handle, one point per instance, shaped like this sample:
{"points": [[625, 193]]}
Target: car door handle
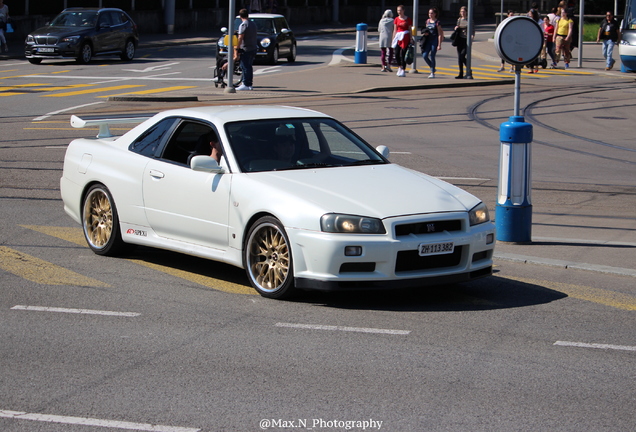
{"points": [[156, 174]]}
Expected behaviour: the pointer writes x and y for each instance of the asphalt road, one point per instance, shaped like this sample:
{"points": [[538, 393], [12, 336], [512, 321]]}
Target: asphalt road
{"points": [[161, 341]]}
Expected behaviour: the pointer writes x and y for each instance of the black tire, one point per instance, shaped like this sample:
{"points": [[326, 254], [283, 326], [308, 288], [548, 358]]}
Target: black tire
{"points": [[129, 51], [85, 54], [35, 61], [100, 222], [273, 57], [292, 55], [267, 259]]}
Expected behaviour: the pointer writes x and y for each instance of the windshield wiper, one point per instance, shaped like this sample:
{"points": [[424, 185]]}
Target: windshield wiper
{"points": [[366, 162]]}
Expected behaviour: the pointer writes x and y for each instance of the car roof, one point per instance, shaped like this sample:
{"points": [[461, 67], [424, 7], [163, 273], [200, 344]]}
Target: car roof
{"points": [[231, 113], [266, 15], [90, 9]]}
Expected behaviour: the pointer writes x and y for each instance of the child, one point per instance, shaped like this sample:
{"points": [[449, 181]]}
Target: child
{"points": [[548, 36]]}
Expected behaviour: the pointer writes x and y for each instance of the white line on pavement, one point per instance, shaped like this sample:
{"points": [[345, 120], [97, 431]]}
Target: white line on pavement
{"points": [[45, 116], [346, 329], [74, 311], [595, 345], [17, 415]]}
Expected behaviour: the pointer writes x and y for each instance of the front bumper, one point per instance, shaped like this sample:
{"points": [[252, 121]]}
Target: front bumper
{"points": [[392, 261], [51, 51]]}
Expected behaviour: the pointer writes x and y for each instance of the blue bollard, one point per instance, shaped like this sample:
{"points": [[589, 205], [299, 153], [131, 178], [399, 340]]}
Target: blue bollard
{"points": [[513, 212], [361, 44]]}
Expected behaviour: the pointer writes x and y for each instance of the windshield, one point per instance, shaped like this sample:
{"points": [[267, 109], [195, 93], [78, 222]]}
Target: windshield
{"points": [[75, 19], [274, 145], [263, 25]]}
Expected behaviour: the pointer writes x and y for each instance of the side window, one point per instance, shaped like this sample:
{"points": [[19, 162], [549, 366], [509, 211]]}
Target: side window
{"points": [[149, 141], [115, 18], [190, 138]]}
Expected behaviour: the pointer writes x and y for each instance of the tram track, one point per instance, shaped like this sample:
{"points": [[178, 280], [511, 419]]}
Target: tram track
{"points": [[529, 116]]}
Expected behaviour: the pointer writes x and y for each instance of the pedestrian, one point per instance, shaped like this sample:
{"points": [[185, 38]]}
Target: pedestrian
{"points": [[548, 39], [4, 19], [401, 39], [534, 14], [385, 29], [511, 13], [461, 41], [609, 32], [432, 37], [245, 51], [564, 30]]}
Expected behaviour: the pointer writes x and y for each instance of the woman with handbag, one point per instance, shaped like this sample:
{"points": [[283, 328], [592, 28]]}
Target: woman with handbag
{"points": [[460, 41], [401, 39], [4, 19], [432, 37]]}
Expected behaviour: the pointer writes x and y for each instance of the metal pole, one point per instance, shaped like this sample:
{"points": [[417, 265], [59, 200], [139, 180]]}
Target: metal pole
{"points": [[230, 49], [469, 40], [581, 16], [517, 97], [416, 13]]}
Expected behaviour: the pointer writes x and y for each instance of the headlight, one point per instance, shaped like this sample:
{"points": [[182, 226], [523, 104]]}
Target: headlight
{"points": [[71, 39], [339, 223], [478, 215], [265, 42], [30, 39]]}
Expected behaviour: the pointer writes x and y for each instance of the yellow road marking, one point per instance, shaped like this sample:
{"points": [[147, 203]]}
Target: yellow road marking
{"points": [[11, 93], [96, 90], [581, 292], [75, 235], [42, 272], [159, 90], [41, 88]]}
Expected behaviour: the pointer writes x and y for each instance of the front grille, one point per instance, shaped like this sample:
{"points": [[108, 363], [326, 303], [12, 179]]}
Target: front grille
{"points": [[45, 40], [412, 261], [428, 227]]}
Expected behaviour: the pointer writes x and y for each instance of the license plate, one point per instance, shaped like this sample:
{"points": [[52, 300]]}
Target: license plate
{"points": [[436, 248], [46, 50]]}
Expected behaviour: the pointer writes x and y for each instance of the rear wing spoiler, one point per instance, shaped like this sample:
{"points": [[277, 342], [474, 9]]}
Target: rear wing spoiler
{"points": [[105, 121]]}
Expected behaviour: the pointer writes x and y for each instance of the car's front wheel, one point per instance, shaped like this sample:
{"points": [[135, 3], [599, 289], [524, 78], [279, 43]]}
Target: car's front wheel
{"points": [[101, 222], [273, 57], [85, 54], [267, 259], [292, 54], [129, 51]]}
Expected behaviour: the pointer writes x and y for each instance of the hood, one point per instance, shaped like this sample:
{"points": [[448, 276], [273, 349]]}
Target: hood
{"points": [[379, 191], [61, 32]]}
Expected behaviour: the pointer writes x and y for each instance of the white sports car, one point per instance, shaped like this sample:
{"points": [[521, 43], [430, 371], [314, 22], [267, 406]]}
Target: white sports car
{"points": [[291, 195]]}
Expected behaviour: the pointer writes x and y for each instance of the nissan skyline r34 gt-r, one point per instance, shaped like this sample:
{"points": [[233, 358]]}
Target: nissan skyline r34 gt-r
{"points": [[291, 195]]}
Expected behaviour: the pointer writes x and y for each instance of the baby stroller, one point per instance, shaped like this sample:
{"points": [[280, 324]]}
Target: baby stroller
{"points": [[220, 71]]}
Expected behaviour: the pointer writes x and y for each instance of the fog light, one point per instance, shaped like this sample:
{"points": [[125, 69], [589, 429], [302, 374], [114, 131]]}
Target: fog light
{"points": [[490, 238], [353, 250]]}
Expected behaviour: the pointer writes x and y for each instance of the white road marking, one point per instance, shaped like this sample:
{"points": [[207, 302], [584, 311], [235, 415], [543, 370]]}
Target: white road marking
{"points": [[45, 116], [595, 345], [74, 311], [267, 70], [86, 421], [337, 56], [345, 329], [152, 68]]}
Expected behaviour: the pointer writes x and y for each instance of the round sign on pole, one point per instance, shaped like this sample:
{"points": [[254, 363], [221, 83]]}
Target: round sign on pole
{"points": [[518, 40]]}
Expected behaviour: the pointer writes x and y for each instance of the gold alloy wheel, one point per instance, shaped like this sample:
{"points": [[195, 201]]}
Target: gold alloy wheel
{"points": [[269, 259], [98, 218]]}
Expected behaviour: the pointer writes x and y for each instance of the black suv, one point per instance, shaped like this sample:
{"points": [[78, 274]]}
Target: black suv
{"points": [[275, 38], [82, 33]]}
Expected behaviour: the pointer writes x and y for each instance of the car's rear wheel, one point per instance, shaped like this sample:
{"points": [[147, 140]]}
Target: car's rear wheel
{"points": [[101, 222], [292, 54], [129, 51], [35, 60], [85, 54], [267, 259]]}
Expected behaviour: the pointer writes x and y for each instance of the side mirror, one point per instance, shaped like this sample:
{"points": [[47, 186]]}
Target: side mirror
{"points": [[205, 164], [383, 150]]}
